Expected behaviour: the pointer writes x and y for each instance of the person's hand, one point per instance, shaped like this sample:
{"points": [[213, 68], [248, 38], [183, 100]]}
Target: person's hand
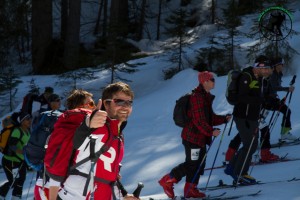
{"points": [[130, 197], [216, 132], [99, 118], [291, 89], [228, 117]]}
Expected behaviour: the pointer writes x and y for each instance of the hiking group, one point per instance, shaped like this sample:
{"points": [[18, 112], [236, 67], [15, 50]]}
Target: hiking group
{"points": [[84, 144], [253, 93], [77, 153]]}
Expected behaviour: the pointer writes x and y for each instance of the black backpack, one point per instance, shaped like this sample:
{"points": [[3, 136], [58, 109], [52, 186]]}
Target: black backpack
{"points": [[180, 113], [232, 89]]}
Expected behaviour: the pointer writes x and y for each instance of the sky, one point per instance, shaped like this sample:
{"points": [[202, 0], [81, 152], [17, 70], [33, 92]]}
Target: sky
{"points": [[152, 140]]}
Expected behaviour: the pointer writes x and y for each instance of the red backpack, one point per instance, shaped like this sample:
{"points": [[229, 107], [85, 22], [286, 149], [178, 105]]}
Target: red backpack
{"points": [[59, 151]]}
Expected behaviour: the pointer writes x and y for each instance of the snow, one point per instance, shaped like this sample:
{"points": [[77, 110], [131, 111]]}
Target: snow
{"points": [[152, 141]]}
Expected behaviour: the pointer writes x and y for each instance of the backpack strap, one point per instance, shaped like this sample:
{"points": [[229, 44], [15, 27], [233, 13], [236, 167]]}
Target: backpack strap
{"points": [[95, 155], [19, 140]]}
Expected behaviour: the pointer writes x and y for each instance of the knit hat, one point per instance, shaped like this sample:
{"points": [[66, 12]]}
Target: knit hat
{"points": [[53, 98], [205, 76], [23, 116], [262, 62]]}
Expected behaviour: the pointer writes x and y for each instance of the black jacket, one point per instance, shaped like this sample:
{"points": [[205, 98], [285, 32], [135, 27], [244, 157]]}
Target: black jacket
{"points": [[250, 94]]}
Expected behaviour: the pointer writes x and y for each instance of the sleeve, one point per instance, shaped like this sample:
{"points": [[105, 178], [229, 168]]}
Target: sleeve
{"points": [[81, 133], [276, 85], [218, 119], [244, 91], [198, 115]]}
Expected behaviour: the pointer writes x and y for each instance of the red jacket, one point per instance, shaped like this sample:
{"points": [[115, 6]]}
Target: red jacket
{"points": [[199, 130], [60, 146]]}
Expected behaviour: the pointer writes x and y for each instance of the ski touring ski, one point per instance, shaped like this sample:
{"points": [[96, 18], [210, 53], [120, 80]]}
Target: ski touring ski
{"points": [[221, 196], [208, 197], [237, 196], [283, 143], [222, 185], [281, 159]]}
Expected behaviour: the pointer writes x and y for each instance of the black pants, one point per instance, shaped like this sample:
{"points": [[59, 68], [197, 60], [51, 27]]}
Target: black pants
{"points": [[16, 184], [248, 134], [277, 105], [193, 158], [264, 139]]}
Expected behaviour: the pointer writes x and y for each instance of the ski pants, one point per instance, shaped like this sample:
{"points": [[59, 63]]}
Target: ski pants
{"points": [[248, 134], [194, 155], [13, 182], [286, 112], [264, 139]]}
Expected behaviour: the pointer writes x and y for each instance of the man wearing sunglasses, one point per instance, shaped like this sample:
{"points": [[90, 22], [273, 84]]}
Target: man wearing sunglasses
{"points": [[104, 128], [246, 116], [196, 134]]}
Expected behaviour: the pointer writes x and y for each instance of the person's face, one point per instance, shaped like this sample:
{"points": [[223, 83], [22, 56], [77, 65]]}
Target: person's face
{"points": [[55, 105], [26, 123], [89, 103], [265, 72], [119, 106], [209, 85]]}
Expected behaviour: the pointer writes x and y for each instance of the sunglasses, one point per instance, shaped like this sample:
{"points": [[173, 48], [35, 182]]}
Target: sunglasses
{"points": [[90, 104], [212, 80], [121, 102], [57, 100]]}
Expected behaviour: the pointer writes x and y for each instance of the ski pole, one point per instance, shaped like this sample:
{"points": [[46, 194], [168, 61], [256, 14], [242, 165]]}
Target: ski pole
{"points": [[11, 186], [278, 110], [244, 163], [287, 109], [216, 156], [136, 193], [230, 127], [30, 185], [201, 163]]}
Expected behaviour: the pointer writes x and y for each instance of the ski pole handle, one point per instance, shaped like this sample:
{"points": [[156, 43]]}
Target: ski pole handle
{"points": [[137, 191], [121, 188]]}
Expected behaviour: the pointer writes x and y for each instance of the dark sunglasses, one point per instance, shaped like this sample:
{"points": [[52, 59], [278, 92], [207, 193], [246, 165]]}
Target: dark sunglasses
{"points": [[212, 80], [57, 100], [121, 102]]}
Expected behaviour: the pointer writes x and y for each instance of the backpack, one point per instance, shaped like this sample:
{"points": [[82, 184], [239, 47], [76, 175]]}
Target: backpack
{"points": [[60, 152], [180, 112], [232, 88], [9, 123], [34, 151]]}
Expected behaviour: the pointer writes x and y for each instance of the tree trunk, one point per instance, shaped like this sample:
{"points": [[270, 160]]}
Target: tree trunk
{"points": [[41, 32], [158, 20], [64, 19], [96, 30], [104, 25], [213, 11], [71, 53], [119, 17], [142, 20]]}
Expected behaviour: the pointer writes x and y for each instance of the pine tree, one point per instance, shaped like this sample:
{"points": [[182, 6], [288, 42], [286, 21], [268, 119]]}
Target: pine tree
{"points": [[178, 31]]}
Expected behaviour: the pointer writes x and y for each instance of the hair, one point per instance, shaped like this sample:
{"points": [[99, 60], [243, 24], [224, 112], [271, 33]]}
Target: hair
{"points": [[77, 98], [114, 88]]}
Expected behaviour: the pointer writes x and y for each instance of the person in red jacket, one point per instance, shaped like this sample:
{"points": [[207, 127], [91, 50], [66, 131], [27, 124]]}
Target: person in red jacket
{"points": [[195, 136], [102, 171], [79, 104]]}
